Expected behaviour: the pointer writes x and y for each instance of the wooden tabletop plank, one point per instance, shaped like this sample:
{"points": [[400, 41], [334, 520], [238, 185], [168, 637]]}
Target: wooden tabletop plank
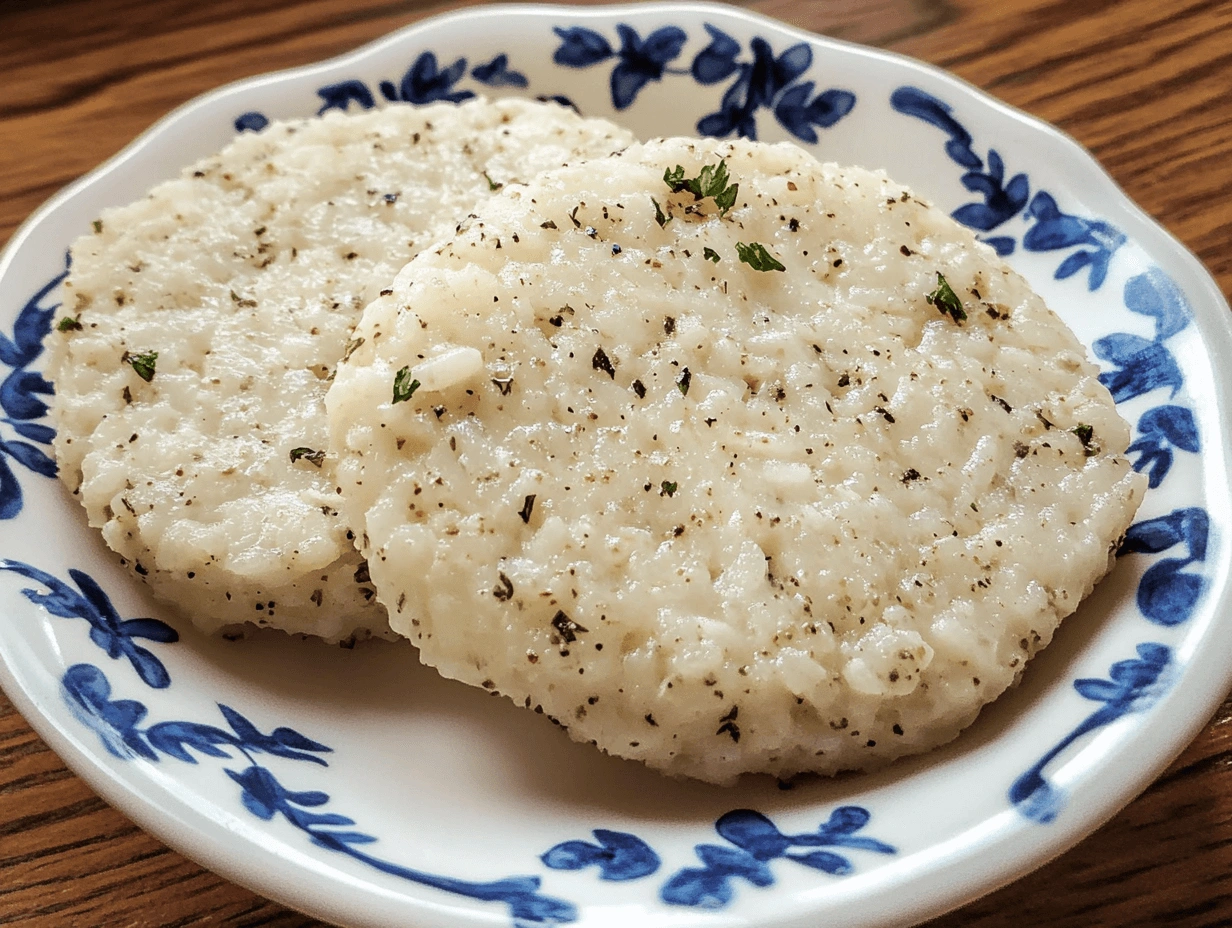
{"points": [[1145, 85]]}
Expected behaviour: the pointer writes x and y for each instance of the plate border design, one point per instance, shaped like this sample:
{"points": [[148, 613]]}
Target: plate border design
{"points": [[1158, 441]]}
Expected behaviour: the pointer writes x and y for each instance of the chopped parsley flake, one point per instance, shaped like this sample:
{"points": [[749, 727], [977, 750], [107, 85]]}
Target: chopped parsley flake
{"points": [[98, 226], [1086, 434], [710, 254], [667, 488], [756, 257], [404, 385], [308, 454], [70, 324], [492, 185], [711, 181], [946, 300], [674, 178], [685, 379], [143, 363], [660, 217]]}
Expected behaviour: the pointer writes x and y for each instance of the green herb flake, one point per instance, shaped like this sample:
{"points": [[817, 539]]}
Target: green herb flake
{"points": [[404, 385], [726, 199], [685, 379], [711, 181], [143, 363], [98, 226], [660, 217], [946, 300], [710, 254], [667, 488], [1086, 435], [756, 257], [492, 185], [308, 454], [70, 324]]}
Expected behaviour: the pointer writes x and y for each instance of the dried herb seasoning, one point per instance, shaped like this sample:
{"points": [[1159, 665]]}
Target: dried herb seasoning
{"points": [[755, 256], [143, 363], [308, 454], [528, 506], [404, 385], [946, 300], [711, 181]]}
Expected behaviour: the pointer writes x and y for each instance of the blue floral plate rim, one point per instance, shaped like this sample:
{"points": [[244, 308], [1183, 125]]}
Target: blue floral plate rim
{"points": [[991, 858]]}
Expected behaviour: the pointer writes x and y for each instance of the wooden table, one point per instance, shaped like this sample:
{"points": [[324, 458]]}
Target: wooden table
{"points": [[1145, 84]]}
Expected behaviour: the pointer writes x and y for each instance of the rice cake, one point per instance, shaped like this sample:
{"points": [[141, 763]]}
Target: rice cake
{"points": [[246, 276], [714, 515]]}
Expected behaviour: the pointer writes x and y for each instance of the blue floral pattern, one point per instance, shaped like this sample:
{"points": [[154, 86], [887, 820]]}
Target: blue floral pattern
{"points": [[762, 81], [1002, 200], [425, 81], [1161, 431], [756, 841], [107, 630], [251, 122], [120, 725], [1167, 594], [1140, 364], [640, 60], [1169, 590], [88, 692], [1133, 686], [618, 855], [1055, 230], [753, 80], [21, 397]]}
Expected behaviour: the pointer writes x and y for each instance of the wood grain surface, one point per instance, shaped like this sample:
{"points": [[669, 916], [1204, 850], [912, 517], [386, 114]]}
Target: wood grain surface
{"points": [[1146, 85]]}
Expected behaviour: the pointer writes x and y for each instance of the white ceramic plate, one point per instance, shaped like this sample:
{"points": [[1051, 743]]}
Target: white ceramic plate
{"points": [[358, 786]]}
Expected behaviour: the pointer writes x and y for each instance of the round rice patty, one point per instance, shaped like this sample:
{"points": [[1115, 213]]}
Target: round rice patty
{"points": [[246, 276], [716, 518]]}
